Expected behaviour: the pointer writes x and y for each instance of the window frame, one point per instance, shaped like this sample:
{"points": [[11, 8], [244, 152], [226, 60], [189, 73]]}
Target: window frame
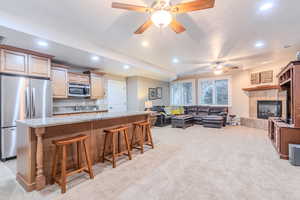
{"points": [[193, 81], [229, 78]]}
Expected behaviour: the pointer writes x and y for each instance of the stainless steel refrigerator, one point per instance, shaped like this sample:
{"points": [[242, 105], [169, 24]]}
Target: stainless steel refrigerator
{"points": [[21, 98]]}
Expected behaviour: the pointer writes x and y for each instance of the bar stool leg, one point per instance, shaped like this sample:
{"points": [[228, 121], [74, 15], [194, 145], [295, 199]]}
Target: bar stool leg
{"points": [[141, 140], [119, 142], [104, 145], [63, 169], [113, 151], [54, 165], [149, 135], [79, 155], [135, 127], [127, 143], [88, 161]]}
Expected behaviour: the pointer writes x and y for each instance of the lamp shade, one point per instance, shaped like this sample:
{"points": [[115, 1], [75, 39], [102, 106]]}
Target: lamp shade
{"points": [[148, 104]]}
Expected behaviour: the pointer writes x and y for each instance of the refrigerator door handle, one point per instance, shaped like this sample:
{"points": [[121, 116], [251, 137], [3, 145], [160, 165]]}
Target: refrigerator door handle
{"points": [[27, 103], [33, 102]]}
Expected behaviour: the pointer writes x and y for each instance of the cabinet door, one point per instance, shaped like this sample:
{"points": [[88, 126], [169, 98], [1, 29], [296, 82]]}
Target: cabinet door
{"points": [[39, 66], [59, 82], [78, 78], [13, 62], [97, 87]]}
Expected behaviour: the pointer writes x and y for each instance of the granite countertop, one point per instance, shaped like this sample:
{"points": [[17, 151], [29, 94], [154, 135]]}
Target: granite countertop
{"points": [[55, 121], [77, 111]]}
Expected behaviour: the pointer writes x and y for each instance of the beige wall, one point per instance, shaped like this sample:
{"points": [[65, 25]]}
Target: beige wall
{"points": [[137, 92], [132, 94], [240, 99]]}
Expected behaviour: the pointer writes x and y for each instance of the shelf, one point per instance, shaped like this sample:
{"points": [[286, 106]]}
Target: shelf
{"points": [[286, 81], [262, 87]]}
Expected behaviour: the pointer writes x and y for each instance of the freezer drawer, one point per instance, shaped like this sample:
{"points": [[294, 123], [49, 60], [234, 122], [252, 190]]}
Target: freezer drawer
{"points": [[8, 143]]}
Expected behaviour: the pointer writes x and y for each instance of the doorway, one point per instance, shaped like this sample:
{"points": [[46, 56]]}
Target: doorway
{"points": [[116, 96]]}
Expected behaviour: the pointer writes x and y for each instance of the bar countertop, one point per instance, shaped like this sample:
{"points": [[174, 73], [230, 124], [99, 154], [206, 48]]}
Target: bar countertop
{"points": [[55, 121]]}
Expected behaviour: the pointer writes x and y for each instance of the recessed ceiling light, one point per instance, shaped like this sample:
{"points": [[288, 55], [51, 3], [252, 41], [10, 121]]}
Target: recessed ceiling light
{"points": [[218, 72], [95, 58], [175, 60], [266, 6], [126, 66], [259, 44], [42, 43], [145, 43]]}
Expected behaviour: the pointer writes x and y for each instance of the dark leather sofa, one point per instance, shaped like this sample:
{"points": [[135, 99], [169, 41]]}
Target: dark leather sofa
{"points": [[199, 112], [163, 119]]}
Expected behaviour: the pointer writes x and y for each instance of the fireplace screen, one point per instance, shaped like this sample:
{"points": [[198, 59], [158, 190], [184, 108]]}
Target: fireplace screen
{"points": [[266, 109]]}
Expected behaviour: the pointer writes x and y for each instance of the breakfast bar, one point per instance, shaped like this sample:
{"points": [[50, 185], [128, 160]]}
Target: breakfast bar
{"points": [[35, 149]]}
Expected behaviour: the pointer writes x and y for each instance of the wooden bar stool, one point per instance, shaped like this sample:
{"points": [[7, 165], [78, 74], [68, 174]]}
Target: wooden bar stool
{"points": [[61, 148], [140, 131], [113, 133]]}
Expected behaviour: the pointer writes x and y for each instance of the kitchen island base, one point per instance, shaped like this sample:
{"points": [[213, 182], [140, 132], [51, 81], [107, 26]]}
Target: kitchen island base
{"points": [[35, 149]]}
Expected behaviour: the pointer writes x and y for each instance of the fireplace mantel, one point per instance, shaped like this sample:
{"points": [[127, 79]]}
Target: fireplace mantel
{"points": [[262, 87]]}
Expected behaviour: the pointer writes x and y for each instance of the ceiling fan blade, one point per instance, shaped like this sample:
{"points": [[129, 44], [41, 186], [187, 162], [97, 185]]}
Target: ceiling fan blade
{"points": [[130, 7], [144, 27], [176, 26], [193, 6]]}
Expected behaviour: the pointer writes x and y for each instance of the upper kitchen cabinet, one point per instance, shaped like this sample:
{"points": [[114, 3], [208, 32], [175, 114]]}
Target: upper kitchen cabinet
{"points": [[25, 62], [13, 62], [97, 85], [59, 77], [39, 66], [78, 78]]}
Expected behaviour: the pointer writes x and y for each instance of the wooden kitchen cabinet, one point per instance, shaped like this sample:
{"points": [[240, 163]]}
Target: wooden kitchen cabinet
{"points": [[59, 77], [13, 62], [97, 86], [78, 78], [24, 62], [39, 66]]}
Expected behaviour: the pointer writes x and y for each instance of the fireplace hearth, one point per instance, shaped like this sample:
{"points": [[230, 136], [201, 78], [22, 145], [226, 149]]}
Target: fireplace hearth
{"points": [[266, 109]]}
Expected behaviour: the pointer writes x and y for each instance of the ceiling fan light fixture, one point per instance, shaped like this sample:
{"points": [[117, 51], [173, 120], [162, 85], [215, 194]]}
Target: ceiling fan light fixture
{"points": [[218, 67], [161, 18], [218, 72]]}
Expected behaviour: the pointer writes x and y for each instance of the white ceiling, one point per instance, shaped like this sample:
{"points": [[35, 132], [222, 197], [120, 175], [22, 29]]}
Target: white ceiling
{"points": [[227, 32]]}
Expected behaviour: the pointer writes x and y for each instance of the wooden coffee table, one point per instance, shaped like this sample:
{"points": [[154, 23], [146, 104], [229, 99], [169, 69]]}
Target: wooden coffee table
{"points": [[182, 121]]}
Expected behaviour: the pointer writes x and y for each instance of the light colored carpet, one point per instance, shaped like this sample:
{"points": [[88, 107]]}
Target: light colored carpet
{"points": [[196, 163]]}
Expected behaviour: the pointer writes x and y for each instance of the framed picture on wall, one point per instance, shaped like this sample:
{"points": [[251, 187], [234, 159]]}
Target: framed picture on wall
{"points": [[159, 93], [266, 76], [152, 95], [255, 78]]}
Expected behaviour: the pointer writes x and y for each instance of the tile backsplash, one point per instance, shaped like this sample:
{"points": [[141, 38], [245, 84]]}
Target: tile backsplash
{"points": [[60, 105]]}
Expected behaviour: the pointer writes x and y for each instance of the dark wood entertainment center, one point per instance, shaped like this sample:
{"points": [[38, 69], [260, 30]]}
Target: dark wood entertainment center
{"points": [[286, 130]]}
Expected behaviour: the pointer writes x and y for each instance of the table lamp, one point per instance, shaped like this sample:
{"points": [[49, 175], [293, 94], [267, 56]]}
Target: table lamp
{"points": [[148, 105]]}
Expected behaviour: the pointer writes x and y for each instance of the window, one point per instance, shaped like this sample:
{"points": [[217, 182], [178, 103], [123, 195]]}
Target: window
{"points": [[182, 93], [215, 91]]}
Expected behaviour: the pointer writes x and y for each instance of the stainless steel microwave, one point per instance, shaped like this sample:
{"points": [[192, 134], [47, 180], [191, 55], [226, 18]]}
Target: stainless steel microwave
{"points": [[78, 90]]}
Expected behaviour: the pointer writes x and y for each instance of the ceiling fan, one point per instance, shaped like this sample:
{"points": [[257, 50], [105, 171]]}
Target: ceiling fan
{"points": [[217, 67], [162, 13]]}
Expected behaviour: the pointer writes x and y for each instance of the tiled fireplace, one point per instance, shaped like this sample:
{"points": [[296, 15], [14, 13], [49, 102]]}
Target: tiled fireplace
{"points": [[264, 104], [266, 109]]}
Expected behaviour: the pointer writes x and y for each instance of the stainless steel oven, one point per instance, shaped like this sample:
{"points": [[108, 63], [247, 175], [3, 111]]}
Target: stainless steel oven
{"points": [[78, 90]]}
